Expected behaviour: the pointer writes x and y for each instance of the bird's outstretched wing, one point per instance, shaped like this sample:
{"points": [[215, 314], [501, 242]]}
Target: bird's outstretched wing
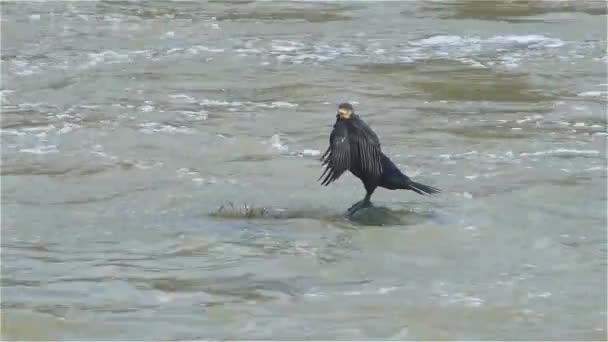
{"points": [[368, 146], [337, 158]]}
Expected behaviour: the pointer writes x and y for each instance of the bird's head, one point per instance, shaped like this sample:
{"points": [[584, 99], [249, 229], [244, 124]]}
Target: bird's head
{"points": [[345, 111]]}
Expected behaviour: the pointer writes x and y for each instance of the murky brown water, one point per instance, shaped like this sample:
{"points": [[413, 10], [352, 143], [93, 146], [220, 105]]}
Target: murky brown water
{"points": [[126, 126]]}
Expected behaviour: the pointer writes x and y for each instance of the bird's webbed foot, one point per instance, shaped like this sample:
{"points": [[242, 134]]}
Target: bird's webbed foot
{"points": [[359, 205]]}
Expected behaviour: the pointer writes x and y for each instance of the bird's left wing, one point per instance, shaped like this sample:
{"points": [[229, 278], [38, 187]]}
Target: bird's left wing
{"points": [[368, 146], [337, 157]]}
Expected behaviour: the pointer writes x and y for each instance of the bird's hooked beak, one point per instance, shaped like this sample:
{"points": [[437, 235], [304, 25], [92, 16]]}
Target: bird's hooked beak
{"points": [[344, 113]]}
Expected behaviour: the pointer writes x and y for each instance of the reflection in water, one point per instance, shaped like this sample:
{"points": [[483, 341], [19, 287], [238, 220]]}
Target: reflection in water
{"points": [[383, 216]]}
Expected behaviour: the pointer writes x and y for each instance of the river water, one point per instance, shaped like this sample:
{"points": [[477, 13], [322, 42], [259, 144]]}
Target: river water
{"points": [[159, 166]]}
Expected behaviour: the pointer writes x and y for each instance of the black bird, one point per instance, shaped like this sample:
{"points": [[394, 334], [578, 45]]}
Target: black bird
{"points": [[355, 147]]}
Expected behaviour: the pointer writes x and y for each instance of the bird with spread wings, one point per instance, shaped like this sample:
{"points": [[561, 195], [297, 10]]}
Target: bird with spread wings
{"points": [[353, 146]]}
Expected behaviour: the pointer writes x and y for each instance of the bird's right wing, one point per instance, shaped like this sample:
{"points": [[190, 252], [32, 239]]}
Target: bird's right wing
{"points": [[337, 157]]}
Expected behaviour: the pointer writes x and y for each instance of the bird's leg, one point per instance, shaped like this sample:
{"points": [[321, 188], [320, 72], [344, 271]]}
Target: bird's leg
{"points": [[364, 203], [355, 205]]}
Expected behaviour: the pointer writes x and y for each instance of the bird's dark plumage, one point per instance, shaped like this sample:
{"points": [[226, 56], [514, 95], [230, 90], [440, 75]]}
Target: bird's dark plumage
{"points": [[353, 146]]}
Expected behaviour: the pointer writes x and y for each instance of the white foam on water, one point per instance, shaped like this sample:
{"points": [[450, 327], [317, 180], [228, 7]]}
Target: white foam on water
{"points": [[147, 165], [146, 108], [202, 48], [198, 115], [511, 49], [106, 57], [248, 51], [528, 40], [3, 94], [545, 294], [173, 50], [25, 68], [597, 93], [45, 149], [30, 105], [444, 40], [216, 103], [276, 143], [273, 104], [461, 298], [300, 53], [12, 131], [214, 26], [285, 46], [561, 151], [154, 127], [385, 290], [183, 98], [308, 152], [67, 128], [277, 104], [465, 155], [475, 42], [46, 128]]}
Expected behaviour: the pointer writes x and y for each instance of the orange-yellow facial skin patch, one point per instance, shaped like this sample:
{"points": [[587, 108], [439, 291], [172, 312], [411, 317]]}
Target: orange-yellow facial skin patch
{"points": [[345, 113]]}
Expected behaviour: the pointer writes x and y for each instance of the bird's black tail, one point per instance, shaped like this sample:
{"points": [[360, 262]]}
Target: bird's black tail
{"points": [[421, 188]]}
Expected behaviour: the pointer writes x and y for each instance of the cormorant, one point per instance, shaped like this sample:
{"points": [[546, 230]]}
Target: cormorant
{"points": [[355, 147]]}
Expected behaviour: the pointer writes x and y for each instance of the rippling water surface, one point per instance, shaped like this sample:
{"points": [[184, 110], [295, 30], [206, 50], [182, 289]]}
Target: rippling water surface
{"points": [[159, 166]]}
